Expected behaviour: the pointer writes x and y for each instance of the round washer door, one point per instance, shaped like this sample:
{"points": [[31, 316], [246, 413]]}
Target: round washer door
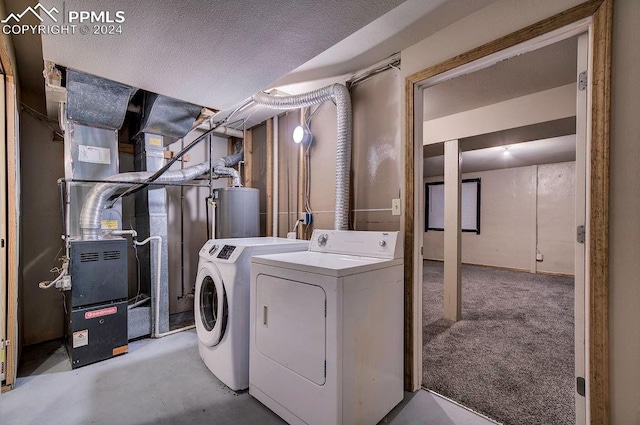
{"points": [[211, 309]]}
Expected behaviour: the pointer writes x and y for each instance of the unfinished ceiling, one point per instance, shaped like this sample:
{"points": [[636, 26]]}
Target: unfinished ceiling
{"points": [[542, 69], [546, 151]]}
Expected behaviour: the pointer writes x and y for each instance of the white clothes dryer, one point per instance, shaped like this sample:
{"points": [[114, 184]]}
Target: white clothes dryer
{"points": [[222, 303], [326, 342]]}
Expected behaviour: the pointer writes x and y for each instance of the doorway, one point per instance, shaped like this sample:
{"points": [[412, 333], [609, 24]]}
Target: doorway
{"points": [[579, 295]]}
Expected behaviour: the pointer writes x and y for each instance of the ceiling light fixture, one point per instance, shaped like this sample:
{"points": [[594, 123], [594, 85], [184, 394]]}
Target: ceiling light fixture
{"points": [[302, 135]]}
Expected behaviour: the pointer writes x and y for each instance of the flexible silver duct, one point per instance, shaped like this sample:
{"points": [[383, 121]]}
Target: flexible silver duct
{"points": [[98, 197], [222, 167], [340, 95]]}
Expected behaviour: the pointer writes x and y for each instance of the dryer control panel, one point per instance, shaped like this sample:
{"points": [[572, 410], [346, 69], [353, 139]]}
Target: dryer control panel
{"points": [[358, 243]]}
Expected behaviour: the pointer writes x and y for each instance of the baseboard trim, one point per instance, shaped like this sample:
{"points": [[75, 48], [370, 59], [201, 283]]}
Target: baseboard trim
{"points": [[513, 269]]}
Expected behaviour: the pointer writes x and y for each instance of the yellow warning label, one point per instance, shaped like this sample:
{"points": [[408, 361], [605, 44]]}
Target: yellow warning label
{"points": [[110, 224], [155, 141]]}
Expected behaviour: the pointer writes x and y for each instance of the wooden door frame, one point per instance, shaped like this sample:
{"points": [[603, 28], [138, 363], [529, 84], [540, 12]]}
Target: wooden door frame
{"points": [[12, 169], [601, 13]]}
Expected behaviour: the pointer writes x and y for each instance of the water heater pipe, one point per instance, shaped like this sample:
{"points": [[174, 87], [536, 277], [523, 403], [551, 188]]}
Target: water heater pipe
{"points": [[340, 95]]}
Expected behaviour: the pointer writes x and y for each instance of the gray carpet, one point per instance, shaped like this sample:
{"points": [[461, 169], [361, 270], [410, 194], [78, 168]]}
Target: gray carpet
{"points": [[511, 356]]}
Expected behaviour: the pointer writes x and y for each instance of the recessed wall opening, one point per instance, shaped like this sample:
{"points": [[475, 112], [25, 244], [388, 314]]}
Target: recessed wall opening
{"points": [[503, 305]]}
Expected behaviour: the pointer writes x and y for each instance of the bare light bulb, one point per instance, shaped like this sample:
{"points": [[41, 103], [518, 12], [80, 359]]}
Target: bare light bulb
{"points": [[301, 135], [298, 134]]}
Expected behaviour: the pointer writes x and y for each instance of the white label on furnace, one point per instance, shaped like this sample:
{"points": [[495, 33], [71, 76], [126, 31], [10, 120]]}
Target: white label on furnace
{"points": [[81, 338], [94, 154]]}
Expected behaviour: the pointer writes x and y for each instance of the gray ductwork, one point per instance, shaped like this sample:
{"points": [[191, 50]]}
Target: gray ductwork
{"points": [[168, 117], [96, 102], [340, 95], [222, 167]]}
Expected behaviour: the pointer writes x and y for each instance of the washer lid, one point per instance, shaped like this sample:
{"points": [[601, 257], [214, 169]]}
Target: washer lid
{"points": [[211, 308]]}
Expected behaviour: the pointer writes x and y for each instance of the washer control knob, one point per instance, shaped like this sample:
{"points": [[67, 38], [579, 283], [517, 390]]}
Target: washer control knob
{"points": [[382, 243], [322, 239]]}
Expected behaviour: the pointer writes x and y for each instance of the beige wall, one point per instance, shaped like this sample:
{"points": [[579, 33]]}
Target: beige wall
{"points": [[377, 171], [506, 16], [41, 165], [508, 223], [624, 237], [376, 159], [556, 217]]}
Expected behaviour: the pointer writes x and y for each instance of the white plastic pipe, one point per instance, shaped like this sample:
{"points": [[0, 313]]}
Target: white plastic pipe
{"points": [[214, 205], [276, 177], [158, 239]]}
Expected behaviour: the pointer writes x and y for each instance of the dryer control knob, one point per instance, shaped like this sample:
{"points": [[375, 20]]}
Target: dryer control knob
{"points": [[382, 243], [322, 239]]}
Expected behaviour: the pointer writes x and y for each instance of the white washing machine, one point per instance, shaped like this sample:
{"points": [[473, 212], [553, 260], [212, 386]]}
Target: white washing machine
{"points": [[222, 303], [327, 329]]}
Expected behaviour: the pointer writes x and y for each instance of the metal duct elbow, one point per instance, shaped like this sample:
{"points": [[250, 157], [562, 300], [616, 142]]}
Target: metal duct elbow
{"points": [[340, 95], [98, 197], [222, 167]]}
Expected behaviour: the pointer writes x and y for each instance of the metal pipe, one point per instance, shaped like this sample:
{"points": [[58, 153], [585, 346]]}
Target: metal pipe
{"points": [[340, 95], [158, 239], [133, 183]]}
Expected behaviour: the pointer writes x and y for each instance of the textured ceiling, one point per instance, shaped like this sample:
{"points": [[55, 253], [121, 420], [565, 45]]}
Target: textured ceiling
{"points": [[405, 25], [542, 69], [211, 53]]}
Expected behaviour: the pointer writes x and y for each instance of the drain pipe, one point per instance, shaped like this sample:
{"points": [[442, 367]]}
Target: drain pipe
{"points": [[340, 95], [158, 240]]}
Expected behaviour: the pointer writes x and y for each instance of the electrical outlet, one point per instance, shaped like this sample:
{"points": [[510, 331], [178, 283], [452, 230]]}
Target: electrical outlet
{"points": [[539, 257], [306, 218], [395, 206]]}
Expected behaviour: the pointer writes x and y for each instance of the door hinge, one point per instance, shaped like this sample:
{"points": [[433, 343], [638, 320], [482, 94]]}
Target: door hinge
{"points": [[1, 243], [422, 251], [580, 234], [582, 81], [580, 386]]}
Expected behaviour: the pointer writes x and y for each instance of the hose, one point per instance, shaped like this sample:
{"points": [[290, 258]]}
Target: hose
{"points": [[340, 95]]}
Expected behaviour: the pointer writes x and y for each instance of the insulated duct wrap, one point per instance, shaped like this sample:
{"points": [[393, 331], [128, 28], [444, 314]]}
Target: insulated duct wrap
{"points": [[340, 95], [96, 102], [168, 117]]}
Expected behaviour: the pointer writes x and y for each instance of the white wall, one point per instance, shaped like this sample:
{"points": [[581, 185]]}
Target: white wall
{"points": [[508, 224], [506, 16]]}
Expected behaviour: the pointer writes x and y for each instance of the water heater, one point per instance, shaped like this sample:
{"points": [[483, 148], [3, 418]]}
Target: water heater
{"points": [[237, 213]]}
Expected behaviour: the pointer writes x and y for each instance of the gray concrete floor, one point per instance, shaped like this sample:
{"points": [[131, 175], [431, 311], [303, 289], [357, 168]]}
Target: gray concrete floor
{"points": [[163, 382]]}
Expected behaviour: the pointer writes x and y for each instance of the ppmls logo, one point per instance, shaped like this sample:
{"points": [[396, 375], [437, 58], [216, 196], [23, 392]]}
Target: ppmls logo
{"points": [[82, 22], [33, 11]]}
